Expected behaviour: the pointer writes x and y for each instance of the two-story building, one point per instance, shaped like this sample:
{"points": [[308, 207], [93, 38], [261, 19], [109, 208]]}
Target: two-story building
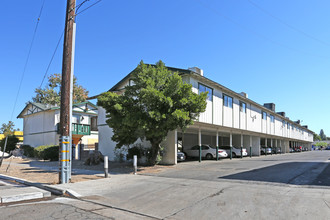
{"points": [[41, 124], [230, 118]]}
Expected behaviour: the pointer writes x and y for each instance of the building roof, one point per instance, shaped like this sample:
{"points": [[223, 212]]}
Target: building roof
{"points": [[189, 72], [47, 107]]}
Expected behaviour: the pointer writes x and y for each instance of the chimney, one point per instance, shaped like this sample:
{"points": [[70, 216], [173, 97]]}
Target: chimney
{"points": [[305, 126], [270, 106], [297, 122], [196, 70], [244, 94], [281, 113]]}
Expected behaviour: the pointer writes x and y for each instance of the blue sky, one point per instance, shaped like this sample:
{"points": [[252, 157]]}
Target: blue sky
{"points": [[275, 50]]}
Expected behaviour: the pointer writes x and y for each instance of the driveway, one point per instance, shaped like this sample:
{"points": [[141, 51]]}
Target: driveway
{"points": [[238, 189]]}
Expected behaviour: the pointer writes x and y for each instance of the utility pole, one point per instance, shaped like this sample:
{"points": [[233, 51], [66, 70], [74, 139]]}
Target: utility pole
{"points": [[66, 84]]}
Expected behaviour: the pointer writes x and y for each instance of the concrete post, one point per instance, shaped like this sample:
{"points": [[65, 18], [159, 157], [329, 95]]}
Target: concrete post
{"points": [[106, 168]]}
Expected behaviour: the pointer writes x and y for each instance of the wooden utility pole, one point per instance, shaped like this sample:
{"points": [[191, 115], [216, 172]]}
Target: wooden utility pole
{"points": [[67, 66]]}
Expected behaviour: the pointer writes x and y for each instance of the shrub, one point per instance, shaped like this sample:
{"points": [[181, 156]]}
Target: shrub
{"points": [[47, 152], [11, 143], [137, 150], [27, 150]]}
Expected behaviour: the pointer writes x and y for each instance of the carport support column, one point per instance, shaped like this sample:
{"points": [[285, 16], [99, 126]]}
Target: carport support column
{"points": [[241, 145], [200, 144], [271, 146], [266, 146], [217, 145], [231, 145], [250, 146]]}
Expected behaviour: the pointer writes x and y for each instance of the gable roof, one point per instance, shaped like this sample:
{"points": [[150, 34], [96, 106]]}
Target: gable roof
{"points": [[46, 107]]}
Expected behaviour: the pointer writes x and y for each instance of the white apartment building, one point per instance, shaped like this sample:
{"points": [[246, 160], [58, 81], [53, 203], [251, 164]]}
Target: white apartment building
{"points": [[41, 123], [230, 119]]}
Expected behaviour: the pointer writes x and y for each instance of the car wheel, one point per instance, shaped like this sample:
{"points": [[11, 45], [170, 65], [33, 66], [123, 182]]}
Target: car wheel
{"points": [[209, 156], [233, 154]]}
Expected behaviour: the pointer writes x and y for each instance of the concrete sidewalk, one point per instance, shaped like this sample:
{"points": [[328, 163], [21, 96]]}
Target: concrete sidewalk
{"points": [[16, 192], [174, 198]]}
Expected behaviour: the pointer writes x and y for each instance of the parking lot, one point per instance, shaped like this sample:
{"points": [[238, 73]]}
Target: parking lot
{"points": [[301, 168]]}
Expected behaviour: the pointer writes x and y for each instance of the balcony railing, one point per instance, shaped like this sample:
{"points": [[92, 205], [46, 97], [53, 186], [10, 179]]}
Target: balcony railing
{"points": [[79, 129]]}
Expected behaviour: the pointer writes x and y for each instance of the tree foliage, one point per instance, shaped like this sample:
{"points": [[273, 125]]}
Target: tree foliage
{"points": [[51, 93], [322, 135], [317, 137], [11, 143], [158, 102], [8, 129]]}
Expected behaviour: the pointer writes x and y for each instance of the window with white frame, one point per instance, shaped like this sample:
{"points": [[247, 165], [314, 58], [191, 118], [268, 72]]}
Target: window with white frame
{"points": [[272, 118], [264, 115], [203, 88]]}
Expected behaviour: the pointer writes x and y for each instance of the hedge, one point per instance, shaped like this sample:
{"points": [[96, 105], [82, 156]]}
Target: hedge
{"points": [[47, 152]]}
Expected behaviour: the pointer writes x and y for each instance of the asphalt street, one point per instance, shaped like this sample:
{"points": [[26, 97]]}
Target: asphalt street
{"points": [[289, 186]]}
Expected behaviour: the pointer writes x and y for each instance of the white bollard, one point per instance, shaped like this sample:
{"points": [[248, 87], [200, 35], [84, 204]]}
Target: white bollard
{"points": [[135, 164], [106, 168]]}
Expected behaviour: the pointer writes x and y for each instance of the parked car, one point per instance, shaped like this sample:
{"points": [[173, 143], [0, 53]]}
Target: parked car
{"points": [[327, 148], [291, 150], [236, 151], [276, 150], [264, 150], [208, 152], [181, 156]]}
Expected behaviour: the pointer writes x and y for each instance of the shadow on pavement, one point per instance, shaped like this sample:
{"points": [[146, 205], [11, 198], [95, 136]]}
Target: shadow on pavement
{"points": [[296, 173]]}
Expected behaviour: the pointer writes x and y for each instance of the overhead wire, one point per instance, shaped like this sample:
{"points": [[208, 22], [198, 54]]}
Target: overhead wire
{"points": [[27, 59], [255, 32], [287, 24]]}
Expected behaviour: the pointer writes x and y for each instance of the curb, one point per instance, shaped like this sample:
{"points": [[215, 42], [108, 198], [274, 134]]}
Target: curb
{"points": [[37, 185]]}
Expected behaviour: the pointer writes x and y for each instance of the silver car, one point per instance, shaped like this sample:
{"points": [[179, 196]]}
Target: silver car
{"points": [[208, 151], [236, 151], [265, 150]]}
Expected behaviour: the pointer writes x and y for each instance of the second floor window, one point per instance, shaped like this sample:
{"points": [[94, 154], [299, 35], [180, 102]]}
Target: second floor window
{"points": [[242, 106], [203, 88], [228, 101], [272, 118], [264, 115]]}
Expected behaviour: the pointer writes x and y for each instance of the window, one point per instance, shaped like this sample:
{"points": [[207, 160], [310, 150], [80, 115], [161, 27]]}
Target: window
{"points": [[289, 125], [264, 115], [203, 88], [228, 101], [272, 118], [242, 107], [283, 123], [131, 83]]}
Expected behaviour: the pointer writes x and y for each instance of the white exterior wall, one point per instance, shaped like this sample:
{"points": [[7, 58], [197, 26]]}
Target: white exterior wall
{"points": [[225, 117], [236, 113], [40, 129]]}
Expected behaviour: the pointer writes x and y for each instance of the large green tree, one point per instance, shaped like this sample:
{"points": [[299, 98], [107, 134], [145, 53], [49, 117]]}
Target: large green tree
{"points": [[51, 93], [158, 102]]}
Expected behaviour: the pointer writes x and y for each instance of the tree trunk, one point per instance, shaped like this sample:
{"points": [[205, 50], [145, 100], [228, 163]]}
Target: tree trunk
{"points": [[154, 152]]}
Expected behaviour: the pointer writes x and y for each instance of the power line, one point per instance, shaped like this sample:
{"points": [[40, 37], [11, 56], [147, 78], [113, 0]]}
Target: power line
{"points": [[89, 6], [51, 60], [286, 24], [254, 32], [27, 59]]}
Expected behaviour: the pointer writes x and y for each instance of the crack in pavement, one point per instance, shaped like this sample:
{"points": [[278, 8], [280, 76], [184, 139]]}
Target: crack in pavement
{"points": [[210, 196]]}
